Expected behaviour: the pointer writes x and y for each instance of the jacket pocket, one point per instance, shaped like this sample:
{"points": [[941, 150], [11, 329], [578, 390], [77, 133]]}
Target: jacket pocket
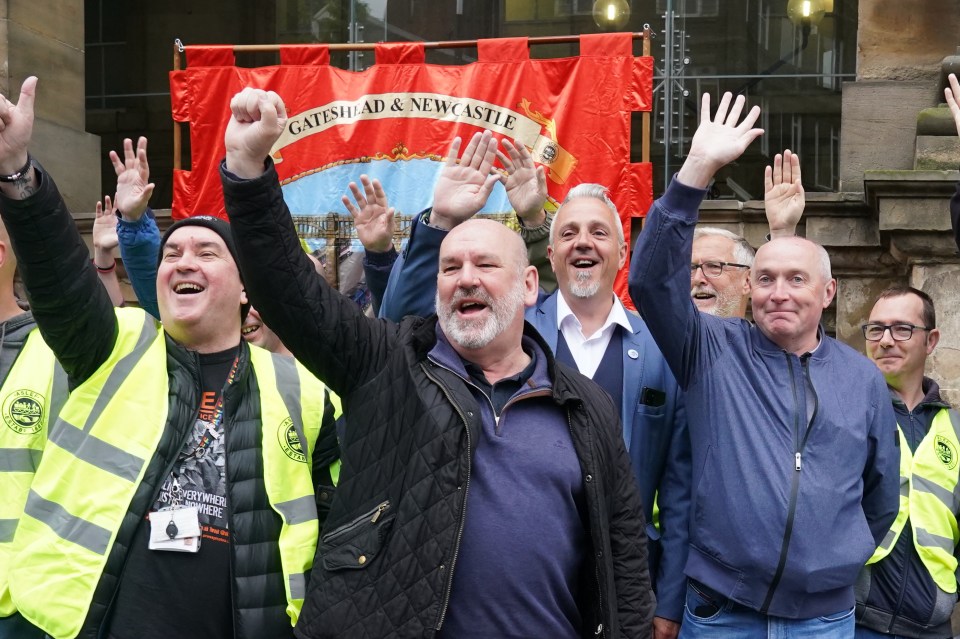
{"points": [[356, 544]]}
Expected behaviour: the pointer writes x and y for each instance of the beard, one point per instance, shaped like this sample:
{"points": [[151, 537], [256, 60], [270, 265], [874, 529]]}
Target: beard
{"points": [[472, 333], [581, 287], [725, 304]]}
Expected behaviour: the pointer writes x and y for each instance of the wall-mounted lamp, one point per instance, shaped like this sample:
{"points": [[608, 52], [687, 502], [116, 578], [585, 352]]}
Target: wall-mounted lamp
{"points": [[806, 13], [611, 15]]}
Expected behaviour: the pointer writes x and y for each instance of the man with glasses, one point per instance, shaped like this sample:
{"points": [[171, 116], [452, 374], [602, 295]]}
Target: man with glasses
{"points": [[909, 586], [719, 272]]}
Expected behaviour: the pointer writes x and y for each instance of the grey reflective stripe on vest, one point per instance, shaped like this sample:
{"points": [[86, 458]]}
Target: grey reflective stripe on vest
{"points": [[7, 528], [298, 586], [58, 394], [930, 540], [80, 443], [887, 539], [122, 370], [96, 452], [955, 420], [19, 460], [299, 510], [288, 384], [947, 498], [68, 527]]}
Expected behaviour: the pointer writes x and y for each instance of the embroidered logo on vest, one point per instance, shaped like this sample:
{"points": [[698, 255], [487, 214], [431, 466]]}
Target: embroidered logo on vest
{"points": [[946, 452], [290, 441], [23, 411]]}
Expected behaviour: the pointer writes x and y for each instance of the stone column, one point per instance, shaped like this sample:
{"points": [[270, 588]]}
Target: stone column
{"points": [[46, 38]]}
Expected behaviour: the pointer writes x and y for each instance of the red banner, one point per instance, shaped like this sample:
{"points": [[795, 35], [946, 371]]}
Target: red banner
{"points": [[395, 120]]}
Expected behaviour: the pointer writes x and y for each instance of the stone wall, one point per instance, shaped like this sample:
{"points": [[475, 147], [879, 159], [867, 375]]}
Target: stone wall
{"points": [[45, 38]]}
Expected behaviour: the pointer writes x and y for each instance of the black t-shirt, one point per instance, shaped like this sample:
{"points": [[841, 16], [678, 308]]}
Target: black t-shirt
{"points": [[165, 594]]}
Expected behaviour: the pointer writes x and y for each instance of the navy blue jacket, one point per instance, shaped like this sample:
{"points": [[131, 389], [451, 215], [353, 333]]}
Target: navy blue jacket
{"points": [[654, 431], [784, 541]]}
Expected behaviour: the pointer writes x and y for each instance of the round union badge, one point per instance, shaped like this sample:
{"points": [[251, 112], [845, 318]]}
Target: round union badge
{"points": [[23, 411], [946, 451], [290, 441]]}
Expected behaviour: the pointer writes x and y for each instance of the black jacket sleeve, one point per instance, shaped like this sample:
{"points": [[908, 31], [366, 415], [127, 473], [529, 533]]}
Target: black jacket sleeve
{"points": [[72, 309], [628, 543], [326, 331]]}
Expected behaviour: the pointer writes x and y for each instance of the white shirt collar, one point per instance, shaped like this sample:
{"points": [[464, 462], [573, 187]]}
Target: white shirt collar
{"points": [[617, 315]]}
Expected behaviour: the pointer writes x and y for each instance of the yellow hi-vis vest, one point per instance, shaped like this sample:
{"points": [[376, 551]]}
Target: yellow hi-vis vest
{"points": [[99, 450], [928, 481], [27, 398]]}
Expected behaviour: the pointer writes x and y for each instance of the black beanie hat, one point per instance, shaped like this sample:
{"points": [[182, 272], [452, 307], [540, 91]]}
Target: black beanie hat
{"points": [[218, 226]]}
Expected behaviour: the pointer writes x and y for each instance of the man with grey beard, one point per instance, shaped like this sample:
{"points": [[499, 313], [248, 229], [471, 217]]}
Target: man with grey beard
{"points": [[587, 328], [468, 408], [719, 272]]}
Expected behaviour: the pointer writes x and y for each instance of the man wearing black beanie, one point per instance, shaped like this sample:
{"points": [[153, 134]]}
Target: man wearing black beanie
{"points": [[175, 496]]}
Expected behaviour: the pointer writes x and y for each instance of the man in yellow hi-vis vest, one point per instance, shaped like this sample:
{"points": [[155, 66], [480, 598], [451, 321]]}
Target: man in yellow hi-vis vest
{"points": [[175, 497], [909, 587], [32, 387]]}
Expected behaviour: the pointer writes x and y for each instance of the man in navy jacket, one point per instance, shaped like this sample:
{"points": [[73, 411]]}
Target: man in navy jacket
{"points": [[794, 447]]}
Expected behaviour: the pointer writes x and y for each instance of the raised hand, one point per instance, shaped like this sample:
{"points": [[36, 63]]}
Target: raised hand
{"points": [[372, 216], [526, 183], [718, 140], [105, 242], [133, 174], [952, 94], [783, 197], [105, 239], [257, 119], [16, 128], [463, 188]]}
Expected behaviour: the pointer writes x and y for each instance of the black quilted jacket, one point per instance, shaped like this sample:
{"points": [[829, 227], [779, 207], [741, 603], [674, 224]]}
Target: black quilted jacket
{"points": [[385, 563]]}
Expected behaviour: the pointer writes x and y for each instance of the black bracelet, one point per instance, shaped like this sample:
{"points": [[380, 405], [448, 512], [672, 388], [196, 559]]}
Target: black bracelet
{"points": [[19, 175], [101, 269]]}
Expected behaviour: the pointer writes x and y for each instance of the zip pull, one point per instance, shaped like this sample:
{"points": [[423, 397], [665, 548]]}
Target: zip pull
{"points": [[382, 507], [798, 461]]}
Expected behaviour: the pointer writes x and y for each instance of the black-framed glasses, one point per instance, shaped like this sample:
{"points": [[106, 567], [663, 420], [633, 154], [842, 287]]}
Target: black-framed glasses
{"points": [[873, 331], [714, 269]]}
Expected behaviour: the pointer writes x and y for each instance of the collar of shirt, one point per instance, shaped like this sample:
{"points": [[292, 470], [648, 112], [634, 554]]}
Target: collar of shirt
{"points": [[617, 315]]}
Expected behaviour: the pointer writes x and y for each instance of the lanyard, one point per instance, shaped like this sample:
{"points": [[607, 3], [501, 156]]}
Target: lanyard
{"points": [[212, 430]]}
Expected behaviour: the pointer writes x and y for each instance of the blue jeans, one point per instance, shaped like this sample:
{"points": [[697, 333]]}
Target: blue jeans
{"points": [[710, 616]]}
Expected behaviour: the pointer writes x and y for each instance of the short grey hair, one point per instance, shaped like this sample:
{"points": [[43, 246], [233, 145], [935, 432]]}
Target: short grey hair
{"points": [[589, 190], [742, 251], [825, 269]]}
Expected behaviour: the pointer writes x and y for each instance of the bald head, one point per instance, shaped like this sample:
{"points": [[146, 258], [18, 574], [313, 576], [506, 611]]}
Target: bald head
{"points": [[8, 261], [802, 244], [790, 286], [491, 237]]}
